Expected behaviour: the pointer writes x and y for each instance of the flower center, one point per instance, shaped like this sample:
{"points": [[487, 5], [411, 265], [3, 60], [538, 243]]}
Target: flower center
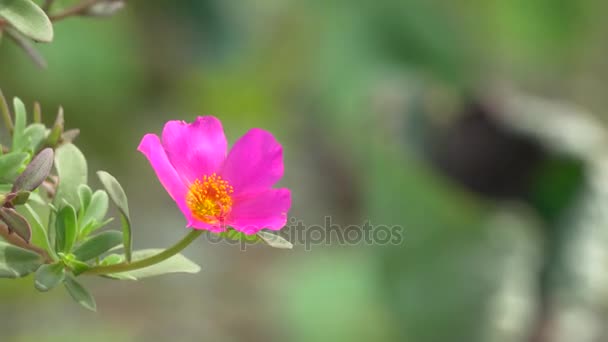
{"points": [[209, 199]]}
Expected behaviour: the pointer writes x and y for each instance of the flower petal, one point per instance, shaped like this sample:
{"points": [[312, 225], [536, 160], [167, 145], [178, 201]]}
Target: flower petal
{"points": [[266, 209], [151, 147], [200, 225], [195, 149], [255, 162]]}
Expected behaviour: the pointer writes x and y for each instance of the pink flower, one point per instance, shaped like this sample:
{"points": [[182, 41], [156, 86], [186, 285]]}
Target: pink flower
{"points": [[214, 189]]}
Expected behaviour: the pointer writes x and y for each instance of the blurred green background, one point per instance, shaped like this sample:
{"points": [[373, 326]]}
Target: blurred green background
{"points": [[457, 120]]}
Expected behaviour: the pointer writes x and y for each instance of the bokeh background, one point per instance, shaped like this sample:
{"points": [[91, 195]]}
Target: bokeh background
{"points": [[476, 125]]}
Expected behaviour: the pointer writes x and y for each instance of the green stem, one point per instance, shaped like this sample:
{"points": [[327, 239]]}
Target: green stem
{"points": [[155, 259]]}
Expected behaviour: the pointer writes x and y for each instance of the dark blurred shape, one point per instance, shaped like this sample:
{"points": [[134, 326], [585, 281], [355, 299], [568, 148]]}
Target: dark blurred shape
{"points": [[486, 157]]}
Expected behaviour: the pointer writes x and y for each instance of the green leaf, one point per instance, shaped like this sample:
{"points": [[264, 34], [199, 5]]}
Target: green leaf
{"points": [[97, 245], [6, 113], [92, 226], [34, 134], [17, 262], [73, 263], [11, 164], [57, 130], [16, 223], [39, 235], [20, 197], [72, 171], [95, 213], [176, 264], [84, 195], [118, 196], [78, 267], [66, 229], [19, 140], [112, 259], [27, 18], [79, 293], [275, 241], [49, 276], [36, 171]]}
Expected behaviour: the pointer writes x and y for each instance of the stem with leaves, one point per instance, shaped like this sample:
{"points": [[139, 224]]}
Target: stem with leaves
{"points": [[155, 259]]}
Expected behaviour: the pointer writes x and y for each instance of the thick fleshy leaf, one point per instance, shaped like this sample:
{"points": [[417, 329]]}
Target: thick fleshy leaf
{"points": [[255, 162], [66, 229], [275, 241], [57, 130], [36, 171], [84, 195], [20, 197], [118, 196], [78, 267], [19, 141], [27, 18], [97, 245], [95, 212], [93, 226], [176, 264], [39, 234], [49, 276], [34, 134], [73, 263], [71, 167], [11, 165], [114, 259], [16, 223], [17, 262], [195, 149], [6, 113], [79, 293]]}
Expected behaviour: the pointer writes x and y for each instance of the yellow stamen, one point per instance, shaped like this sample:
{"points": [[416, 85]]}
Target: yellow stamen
{"points": [[209, 199]]}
